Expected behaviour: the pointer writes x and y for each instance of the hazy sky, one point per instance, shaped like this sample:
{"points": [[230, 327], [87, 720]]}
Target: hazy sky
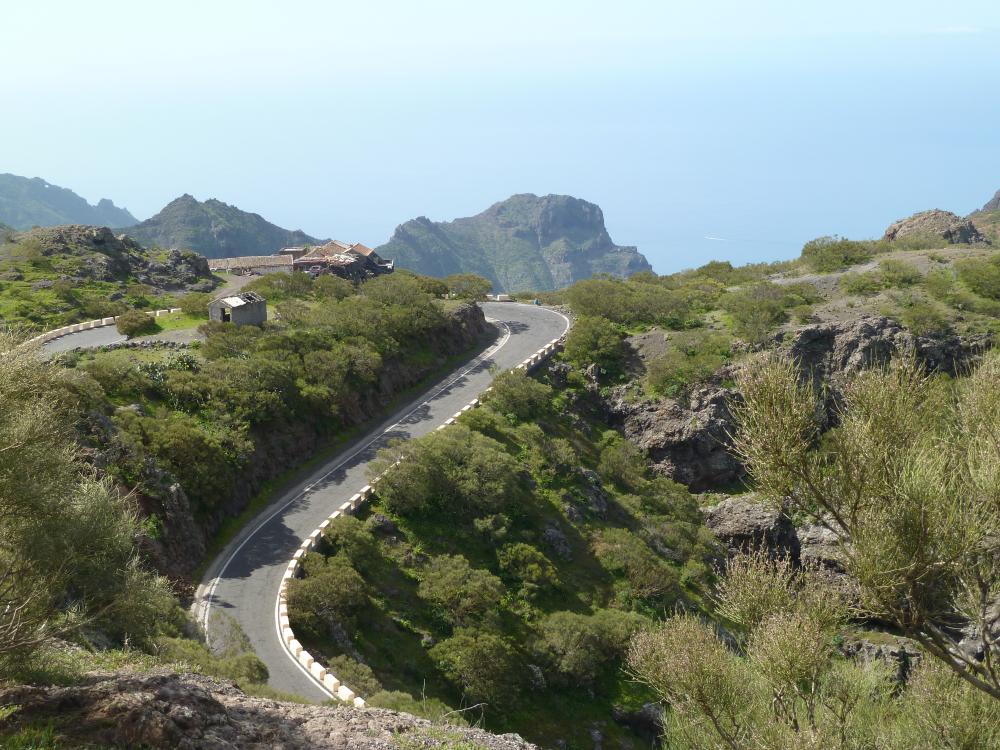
{"points": [[759, 124]]}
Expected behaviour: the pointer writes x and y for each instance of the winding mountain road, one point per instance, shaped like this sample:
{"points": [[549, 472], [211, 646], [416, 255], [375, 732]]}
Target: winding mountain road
{"points": [[244, 579]]}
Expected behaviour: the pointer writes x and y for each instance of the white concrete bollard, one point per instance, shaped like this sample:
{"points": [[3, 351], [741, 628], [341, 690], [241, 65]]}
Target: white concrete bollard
{"points": [[295, 647], [331, 683], [345, 694], [306, 659]]}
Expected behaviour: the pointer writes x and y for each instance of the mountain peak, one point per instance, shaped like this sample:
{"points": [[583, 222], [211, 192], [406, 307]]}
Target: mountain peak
{"points": [[215, 229], [26, 202], [526, 242]]}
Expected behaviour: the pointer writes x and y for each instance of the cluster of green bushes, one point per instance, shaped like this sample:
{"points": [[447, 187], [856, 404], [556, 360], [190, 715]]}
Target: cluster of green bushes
{"points": [[756, 310], [201, 414], [494, 568], [825, 254]]}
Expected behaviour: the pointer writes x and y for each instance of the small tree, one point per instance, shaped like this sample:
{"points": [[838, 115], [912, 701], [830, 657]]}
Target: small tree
{"points": [[910, 483]]}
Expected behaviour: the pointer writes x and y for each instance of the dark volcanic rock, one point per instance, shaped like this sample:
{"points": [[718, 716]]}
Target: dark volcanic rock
{"points": [[686, 441], [744, 524], [165, 710]]}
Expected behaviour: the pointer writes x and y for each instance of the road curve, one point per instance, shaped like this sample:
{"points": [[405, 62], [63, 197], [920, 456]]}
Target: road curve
{"points": [[244, 578]]}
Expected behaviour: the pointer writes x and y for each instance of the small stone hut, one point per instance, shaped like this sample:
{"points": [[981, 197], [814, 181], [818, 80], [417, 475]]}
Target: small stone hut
{"points": [[243, 309]]}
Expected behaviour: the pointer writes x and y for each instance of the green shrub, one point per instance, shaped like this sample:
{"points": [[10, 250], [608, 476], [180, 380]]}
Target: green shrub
{"points": [[134, 323], [357, 676], [862, 284], [579, 648], [464, 594], [518, 395], [595, 340], [898, 273], [755, 311], [923, 318], [981, 275], [826, 254], [527, 566], [468, 286], [483, 665], [330, 590], [195, 304], [643, 578], [456, 470], [622, 462]]}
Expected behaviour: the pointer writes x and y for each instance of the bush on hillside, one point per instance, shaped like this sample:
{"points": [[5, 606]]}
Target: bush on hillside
{"points": [[457, 471], [332, 590], [594, 340], [195, 304], [135, 323], [691, 358], [483, 665], [981, 275], [468, 286], [826, 254], [462, 593], [578, 648], [518, 395]]}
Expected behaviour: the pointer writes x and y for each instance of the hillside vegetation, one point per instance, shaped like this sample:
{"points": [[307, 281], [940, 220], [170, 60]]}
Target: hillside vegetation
{"points": [[53, 276], [503, 568], [525, 242]]}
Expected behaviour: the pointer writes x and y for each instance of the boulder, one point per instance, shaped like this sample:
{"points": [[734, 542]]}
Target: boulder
{"points": [[744, 524]]}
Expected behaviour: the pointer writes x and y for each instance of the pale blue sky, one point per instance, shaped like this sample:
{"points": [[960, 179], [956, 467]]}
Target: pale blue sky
{"points": [[763, 124]]}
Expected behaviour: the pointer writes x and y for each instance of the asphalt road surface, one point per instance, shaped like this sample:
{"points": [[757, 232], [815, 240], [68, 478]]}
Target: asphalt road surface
{"points": [[244, 579]]}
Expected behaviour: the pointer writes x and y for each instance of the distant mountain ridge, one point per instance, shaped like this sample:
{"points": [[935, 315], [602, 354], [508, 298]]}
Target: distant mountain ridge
{"points": [[526, 242], [214, 229], [27, 202]]}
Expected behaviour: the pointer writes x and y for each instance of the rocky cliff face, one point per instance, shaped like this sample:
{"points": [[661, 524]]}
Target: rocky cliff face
{"points": [[193, 712], [936, 224], [688, 440], [524, 243]]}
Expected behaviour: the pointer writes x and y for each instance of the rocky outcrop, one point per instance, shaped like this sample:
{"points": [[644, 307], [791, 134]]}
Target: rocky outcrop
{"points": [[936, 224], [685, 440], [96, 254], [688, 439], [745, 524], [993, 204], [192, 712]]}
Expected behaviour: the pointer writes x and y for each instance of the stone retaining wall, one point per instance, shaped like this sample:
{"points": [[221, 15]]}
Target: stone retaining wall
{"points": [[295, 649]]}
